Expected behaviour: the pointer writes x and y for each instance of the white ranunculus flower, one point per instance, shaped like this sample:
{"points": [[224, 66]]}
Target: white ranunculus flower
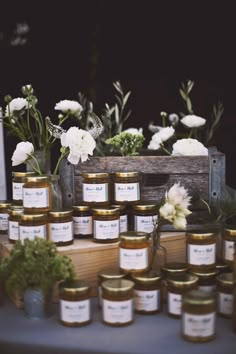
{"points": [[22, 152], [154, 143], [134, 131], [17, 104], [67, 106], [166, 133], [80, 143], [188, 147], [192, 121]]}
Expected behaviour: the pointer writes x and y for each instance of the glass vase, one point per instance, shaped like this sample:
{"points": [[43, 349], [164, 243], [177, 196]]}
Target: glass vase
{"points": [[57, 202], [44, 160], [158, 253]]}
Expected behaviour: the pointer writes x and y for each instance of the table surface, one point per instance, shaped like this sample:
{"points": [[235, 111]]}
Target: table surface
{"points": [[149, 334]]}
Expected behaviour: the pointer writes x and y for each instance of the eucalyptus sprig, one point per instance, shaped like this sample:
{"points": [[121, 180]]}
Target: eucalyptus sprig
{"points": [[185, 91]]}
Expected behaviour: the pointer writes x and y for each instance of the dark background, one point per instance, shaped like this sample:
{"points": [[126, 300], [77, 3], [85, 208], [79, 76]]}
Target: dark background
{"points": [[150, 46]]}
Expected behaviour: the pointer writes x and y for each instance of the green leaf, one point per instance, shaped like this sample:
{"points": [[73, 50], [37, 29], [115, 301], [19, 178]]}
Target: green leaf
{"points": [[190, 86], [189, 105], [118, 87], [125, 99], [182, 93]]}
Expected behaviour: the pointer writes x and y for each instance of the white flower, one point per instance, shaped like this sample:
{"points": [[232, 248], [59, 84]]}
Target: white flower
{"points": [[178, 196], [17, 104], [134, 131], [173, 118], [22, 152], [154, 145], [180, 222], [192, 121], [188, 147], [68, 106], [80, 143], [158, 138], [167, 211]]}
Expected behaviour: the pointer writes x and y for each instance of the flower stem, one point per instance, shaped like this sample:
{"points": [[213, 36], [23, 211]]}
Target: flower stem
{"points": [[165, 150], [35, 166], [63, 154]]}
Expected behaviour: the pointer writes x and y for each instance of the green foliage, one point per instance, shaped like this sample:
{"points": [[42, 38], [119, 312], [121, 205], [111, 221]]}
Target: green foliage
{"points": [[127, 144], [224, 212], [34, 263]]}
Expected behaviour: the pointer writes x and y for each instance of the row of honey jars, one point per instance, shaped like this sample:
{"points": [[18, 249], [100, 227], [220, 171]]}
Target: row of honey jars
{"points": [[4, 216], [99, 189]]}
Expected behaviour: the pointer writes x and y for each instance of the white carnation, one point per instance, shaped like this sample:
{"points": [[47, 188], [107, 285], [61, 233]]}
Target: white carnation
{"points": [[68, 106], [192, 121], [17, 104], [134, 131], [188, 147], [22, 152]]}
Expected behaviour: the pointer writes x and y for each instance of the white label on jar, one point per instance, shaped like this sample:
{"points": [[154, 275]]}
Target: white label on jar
{"points": [[75, 311], [201, 254], [207, 288], [13, 231], [35, 197], [17, 191], [4, 222], [117, 311], [31, 232], [225, 303], [198, 325], [106, 229], [174, 303], [123, 223], [144, 223], [228, 250], [60, 232], [95, 192], [132, 259], [83, 225], [127, 192], [147, 300]]}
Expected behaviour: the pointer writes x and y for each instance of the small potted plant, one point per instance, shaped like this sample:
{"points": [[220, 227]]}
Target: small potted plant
{"points": [[31, 270]]}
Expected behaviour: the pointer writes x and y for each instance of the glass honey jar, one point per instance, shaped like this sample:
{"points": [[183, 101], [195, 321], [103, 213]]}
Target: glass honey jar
{"points": [[60, 227], [169, 269], [4, 215], [17, 186], [145, 217], [198, 316], [15, 214], [229, 240], [107, 274], [106, 225], [75, 303], [225, 287], [32, 226], [127, 187], [117, 298], [147, 292], [177, 286], [222, 267], [133, 252], [96, 189], [123, 212], [207, 281], [201, 251], [37, 195], [82, 221]]}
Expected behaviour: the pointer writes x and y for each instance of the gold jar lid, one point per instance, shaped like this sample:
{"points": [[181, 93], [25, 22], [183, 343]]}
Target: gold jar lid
{"points": [[95, 175], [16, 211], [76, 286], [134, 236], [200, 235], [110, 273], [225, 279], [198, 298], [81, 208], [127, 174], [182, 280], [147, 278], [175, 267], [230, 232], [38, 179], [5, 204], [119, 206], [60, 213], [117, 286], [145, 207], [221, 266], [106, 211], [23, 174], [31, 217], [206, 275]]}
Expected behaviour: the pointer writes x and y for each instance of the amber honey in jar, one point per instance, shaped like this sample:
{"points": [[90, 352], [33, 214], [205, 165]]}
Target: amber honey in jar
{"points": [[37, 195], [4, 215], [145, 217], [107, 274], [18, 181], [201, 251], [117, 298], [32, 226], [229, 240], [123, 212], [133, 252], [106, 225], [177, 286], [127, 187], [96, 189], [15, 213], [207, 281], [60, 227], [75, 303], [225, 287], [169, 269], [82, 221], [147, 292], [198, 316]]}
